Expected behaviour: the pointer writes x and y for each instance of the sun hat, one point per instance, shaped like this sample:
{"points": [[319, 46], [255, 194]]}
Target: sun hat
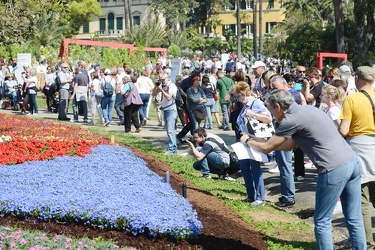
{"points": [[258, 64], [64, 65], [107, 71], [365, 73]]}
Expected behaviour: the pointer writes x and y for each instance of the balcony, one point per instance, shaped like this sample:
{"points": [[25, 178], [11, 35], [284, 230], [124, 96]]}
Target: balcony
{"points": [[109, 33], [114, 3]]}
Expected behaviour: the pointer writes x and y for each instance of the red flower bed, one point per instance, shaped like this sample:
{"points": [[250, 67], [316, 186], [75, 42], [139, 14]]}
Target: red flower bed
{"points": [[33, 139]]}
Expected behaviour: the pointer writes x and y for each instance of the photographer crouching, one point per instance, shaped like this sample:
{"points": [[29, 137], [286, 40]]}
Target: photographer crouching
{"points": [[212, 154]]}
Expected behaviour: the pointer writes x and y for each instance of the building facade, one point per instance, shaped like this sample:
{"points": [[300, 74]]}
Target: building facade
{"points": [[112, 22], [272, 13]]}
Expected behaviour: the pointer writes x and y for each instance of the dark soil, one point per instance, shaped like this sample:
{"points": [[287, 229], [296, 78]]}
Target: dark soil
{"points": [[222, 227]]}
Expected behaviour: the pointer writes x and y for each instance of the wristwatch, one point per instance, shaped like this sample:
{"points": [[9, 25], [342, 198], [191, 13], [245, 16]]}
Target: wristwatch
{"points": [[255, 116], [248, 139]]}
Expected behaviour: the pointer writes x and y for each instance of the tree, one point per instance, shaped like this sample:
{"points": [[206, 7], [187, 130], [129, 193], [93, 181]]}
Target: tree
{"points": [[238, 20], [214, 21], [364, 19], [339, 21]]}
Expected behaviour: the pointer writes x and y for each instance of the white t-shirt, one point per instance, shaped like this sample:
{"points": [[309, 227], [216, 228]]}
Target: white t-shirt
{"points": [[334, 113], [172, 89], [144, 85]]}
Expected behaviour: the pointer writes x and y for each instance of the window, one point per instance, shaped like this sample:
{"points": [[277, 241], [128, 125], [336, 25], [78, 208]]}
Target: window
{"points": [[269, 26], [86, 27], [136, 20], [271, 4], [250, 5], [243, 5], [119, 23], [102, 26], [111, 21]]}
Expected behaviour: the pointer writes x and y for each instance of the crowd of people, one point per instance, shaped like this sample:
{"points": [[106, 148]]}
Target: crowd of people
{"points": [[329, 115]]}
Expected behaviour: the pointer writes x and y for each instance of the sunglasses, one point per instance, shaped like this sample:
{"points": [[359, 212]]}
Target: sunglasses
{"points": [[329, 77], [301, 71]]}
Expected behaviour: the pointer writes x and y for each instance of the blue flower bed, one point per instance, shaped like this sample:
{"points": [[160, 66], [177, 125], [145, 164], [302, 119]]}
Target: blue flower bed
{"points": [[111, 188]]}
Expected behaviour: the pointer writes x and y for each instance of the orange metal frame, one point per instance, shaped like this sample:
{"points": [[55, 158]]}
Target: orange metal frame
{"points": [[64, 48], [321, 55]]}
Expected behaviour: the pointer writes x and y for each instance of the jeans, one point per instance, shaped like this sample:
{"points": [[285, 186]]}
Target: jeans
{"points": [[107, 105], [368, 195], [14, 94], [143, 109], [119, 100], [287, 186], [194, 122], [33, 105], [209, 105], [212, 163], [343, 182], [252, 174], [170, 121], [224, 110], [75, 105]]}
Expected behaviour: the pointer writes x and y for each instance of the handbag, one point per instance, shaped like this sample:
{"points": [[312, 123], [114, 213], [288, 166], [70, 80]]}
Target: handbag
{"points": [[215, 96], [259, 128], [199, 113]]}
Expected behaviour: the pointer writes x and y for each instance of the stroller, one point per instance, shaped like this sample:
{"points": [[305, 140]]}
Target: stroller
{"points": [[52, 97]]}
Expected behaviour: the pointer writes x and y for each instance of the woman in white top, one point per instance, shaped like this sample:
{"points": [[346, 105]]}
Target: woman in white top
{"points": [[31, 90], [48, 89], [95, 98], [144, 85]]}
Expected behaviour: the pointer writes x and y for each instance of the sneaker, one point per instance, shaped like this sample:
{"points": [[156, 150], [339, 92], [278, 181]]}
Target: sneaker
{"points": [[282, 203], [86, 121], [300, 178], [169, 153], [73, 121], [138, 130], [160, 125], [220, 126], [309, 164], [226, 177], [274, 170], [248, 200], [226, 129], [105, 124], [258, 203], [120, 123], [268, 163], [207, 176]]}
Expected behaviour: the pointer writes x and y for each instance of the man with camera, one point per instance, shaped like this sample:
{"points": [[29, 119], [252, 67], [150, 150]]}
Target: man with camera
{"points": [[168, 106], [211, 158], [300, 76]]}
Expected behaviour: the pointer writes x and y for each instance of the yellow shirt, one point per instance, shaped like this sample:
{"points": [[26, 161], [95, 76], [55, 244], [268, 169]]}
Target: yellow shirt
{"points": [[357, 109]]}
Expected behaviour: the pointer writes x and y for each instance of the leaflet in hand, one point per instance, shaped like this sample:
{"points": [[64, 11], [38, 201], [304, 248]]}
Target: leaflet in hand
{"points": [[245, 152]]}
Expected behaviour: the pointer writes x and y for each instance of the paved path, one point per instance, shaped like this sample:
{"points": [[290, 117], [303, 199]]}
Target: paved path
{"points": [[305, 190]]}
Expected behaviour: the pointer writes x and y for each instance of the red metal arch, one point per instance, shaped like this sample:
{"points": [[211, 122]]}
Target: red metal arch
{"points": [[321, 55], [64, 48]]}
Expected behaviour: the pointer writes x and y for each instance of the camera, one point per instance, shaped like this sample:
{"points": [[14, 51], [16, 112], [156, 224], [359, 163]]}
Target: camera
{"points": [[158, 83], [188, 138], [300, 79]]}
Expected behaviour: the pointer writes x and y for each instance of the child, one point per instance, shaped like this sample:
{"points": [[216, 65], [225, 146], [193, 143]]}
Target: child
{"points": [[333, 96]]}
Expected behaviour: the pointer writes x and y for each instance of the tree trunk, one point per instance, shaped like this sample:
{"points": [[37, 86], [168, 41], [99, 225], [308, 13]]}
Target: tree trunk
{"points": [[339, 21], [130, 15], [239, 54], [255, 23], [261, 26], [364, 28], [126, 14]]}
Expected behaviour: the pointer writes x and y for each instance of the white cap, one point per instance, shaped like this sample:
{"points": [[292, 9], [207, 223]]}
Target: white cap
{"points": [[107, 71], [258, 64], [344, 68]]}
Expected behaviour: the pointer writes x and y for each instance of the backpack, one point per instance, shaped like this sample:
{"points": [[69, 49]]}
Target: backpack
{"points": [[234, 164], [57, 83], [179, 101], [108, 88]]}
